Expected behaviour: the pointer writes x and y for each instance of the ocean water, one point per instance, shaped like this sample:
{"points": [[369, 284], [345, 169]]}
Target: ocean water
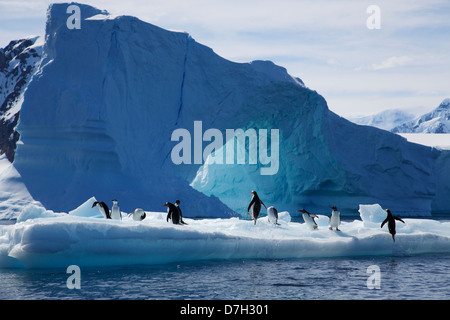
{"points": [[419, 277], [415, 277]]}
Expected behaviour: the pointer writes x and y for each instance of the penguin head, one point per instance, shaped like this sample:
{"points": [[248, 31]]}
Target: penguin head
{"points": [[94, 204], [167, 204], [302, 210], [114, 201], [388, 211], [333, 208], [177, 202]]}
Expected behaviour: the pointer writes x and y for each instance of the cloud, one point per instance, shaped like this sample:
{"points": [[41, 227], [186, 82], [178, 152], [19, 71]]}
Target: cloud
{"points": [[389, 63], [392, 62]]}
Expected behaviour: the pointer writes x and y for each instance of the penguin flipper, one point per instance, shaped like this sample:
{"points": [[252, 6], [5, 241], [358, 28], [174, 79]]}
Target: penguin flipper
{"points": [[396, 218], [263, 204]]}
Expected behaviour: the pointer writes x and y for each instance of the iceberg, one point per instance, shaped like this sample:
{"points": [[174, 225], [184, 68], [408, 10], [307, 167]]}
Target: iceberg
{"points": [[99, 112], [14, 195], [45, 239]]}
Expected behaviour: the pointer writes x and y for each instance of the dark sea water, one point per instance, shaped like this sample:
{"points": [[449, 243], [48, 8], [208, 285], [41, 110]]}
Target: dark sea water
{"points": [[415, 277]]}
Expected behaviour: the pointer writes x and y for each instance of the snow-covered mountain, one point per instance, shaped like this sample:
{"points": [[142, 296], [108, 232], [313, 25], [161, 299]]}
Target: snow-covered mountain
{"points": [[18, 61], [436, 121], [386, 120], [98, 116]]}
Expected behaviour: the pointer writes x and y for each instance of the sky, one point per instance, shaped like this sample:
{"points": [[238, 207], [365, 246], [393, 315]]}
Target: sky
{"points": [[403, 64]]}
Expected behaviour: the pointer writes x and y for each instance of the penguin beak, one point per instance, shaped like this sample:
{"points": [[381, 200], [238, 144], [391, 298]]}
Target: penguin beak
{"points": [[164, 205]]}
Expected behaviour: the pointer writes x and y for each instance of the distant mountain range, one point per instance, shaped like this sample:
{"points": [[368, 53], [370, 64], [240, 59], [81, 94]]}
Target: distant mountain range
{"points": [[400, 121], [385, 120], [436, 121]]}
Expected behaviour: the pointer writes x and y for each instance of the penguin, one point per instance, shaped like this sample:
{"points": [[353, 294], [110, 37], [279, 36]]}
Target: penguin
{"points": [[390, 219], [177, 205], [309, 218], [335, 219], [103, 208], [138, 214], [272, 215], [255, 206], [172, 213], [115, 211]]}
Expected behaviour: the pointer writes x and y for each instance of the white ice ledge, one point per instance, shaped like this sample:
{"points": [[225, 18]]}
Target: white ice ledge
{"points": [[45, 239]]}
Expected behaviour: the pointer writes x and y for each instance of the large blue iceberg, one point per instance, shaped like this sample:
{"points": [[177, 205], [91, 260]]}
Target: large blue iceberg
{"points": [[98, 117]]}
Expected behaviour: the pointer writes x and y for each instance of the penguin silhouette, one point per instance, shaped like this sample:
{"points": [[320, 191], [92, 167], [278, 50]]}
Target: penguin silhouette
{"points": [[172, 213], [390, 219], [255, 206], [103, 208], [309, 218], [177, 205]]}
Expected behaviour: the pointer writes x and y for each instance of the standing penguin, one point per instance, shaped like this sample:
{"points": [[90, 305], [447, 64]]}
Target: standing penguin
{"points": [[335, 219], [272, 215], [390, 219], [172, 213], [177, 205], [309, 218], [138, 214], [103, 208], [255, 206], [115, 211]]}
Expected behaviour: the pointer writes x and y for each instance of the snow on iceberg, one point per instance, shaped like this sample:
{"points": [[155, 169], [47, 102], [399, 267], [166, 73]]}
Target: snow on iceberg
{"points": [[14, 195], [45, 239]]}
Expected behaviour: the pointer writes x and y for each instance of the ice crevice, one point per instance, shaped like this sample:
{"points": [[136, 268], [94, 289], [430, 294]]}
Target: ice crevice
{"points": [[180, 107]]}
